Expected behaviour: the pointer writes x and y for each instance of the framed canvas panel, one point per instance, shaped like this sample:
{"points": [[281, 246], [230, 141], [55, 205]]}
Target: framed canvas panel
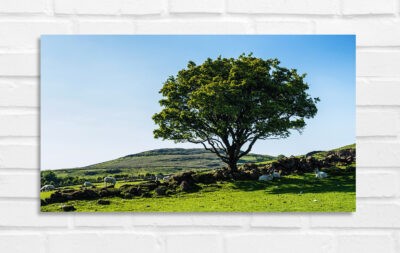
{"points": [[199, 123]]}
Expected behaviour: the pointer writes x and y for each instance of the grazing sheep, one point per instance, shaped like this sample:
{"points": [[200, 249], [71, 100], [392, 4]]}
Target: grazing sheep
{"points": [[110, 180], [47, 187], [87, 184], [320, 174], [265, 178]]}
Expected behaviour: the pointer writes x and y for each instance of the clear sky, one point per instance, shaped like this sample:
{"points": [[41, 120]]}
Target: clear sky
{"points": [[98, 93]]}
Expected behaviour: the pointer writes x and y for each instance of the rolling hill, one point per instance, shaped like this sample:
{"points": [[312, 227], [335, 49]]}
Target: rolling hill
{"points": [[155, 161], [172, 158]]}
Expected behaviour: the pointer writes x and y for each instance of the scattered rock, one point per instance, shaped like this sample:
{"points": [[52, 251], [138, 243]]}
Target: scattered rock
{"points": [[205, 178], [56, 197], [109, 192], [84, 195], [184, 186], [184, 176], [103, 202], [68, 208], [134, 190], [161, 190]]}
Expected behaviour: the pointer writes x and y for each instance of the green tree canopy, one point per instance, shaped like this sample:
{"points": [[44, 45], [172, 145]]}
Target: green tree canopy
{"points": [[228, 104]]}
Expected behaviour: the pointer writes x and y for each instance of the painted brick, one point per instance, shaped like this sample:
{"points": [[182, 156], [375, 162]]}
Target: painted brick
{"points": [[101, 242], [22, 242], [368, 215], [87, 7], [317, 7], [108, 7], [369, 32], [10, 185], [26, 34], [103, 220], [373, 228], [142, 7], [105, 27], [283, 27], [367, 242], [22, 6], [377, 123], [368, 7], [378, 92], [181, 243], [187, 220], [20, 213], [202, 6], [379, 184], [16, 92], [279, 242], [19, 125], [378, 63], [199, 27], [378, 154], [19, 64], [276, 220], [19, 156]]}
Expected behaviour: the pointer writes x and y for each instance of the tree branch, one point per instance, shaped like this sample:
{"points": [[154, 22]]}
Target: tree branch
{"points": [[249, 147]]}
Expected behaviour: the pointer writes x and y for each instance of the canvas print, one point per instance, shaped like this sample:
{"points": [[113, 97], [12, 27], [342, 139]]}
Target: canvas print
{"points": [[199, 123]]}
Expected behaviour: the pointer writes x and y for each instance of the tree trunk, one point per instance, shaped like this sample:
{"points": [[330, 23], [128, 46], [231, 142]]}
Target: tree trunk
{"points": [[232, 158], [232, 163]]}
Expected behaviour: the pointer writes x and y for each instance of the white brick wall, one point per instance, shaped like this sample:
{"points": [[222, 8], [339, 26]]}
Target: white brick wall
{"points": [[375, 227]]}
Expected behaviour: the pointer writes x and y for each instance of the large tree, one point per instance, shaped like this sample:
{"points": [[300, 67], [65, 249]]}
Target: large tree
{"points": [[228, 104]]}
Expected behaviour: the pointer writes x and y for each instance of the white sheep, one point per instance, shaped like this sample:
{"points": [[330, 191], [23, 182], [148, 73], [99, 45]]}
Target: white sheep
{"points": [[276, 174], [47, 187], [110, 180], [87, 184], [320, 174], [265, 178]]}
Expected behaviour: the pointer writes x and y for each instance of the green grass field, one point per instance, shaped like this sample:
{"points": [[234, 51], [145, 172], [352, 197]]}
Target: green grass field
{"points": [[289, 194]]}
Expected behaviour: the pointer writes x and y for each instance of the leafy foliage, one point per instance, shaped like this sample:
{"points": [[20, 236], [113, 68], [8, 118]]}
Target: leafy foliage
{"points": [[227, 103]]}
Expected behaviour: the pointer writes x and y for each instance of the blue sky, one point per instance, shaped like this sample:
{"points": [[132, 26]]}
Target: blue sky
{"points": [[98, 93]]}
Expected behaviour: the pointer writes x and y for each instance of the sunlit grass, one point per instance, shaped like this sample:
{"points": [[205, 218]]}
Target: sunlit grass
{"points": [[289, 194]]}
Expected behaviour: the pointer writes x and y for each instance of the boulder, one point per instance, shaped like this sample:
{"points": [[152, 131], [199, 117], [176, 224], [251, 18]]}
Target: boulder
{"points": [[185, 186], [134, 190], [161, 190], [205, 178], [109, 192], [188, 186], [103, 202], [68, 208], [84, 195], [56, 197], [187, 176], [148, 186]]}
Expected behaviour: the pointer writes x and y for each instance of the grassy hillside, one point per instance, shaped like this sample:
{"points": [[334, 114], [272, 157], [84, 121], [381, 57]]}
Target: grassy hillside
{"points": [[156, 161], [297, 192], [176, 157], [289, 194]]}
